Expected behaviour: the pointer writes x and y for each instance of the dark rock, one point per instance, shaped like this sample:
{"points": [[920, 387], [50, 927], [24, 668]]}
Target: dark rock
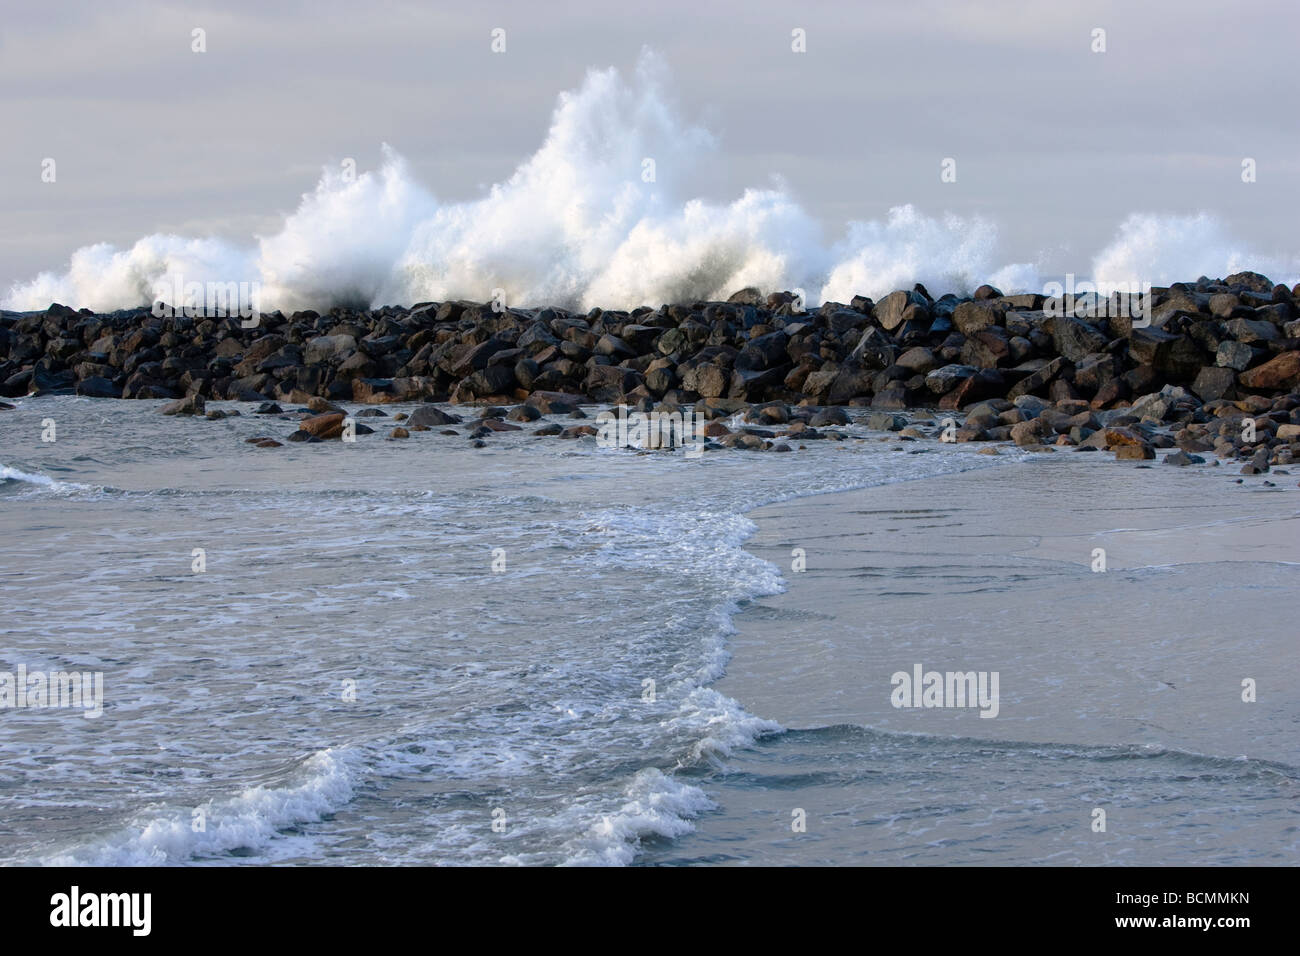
{"points": [[898, 307], [492, 380], [1251, 281], [98, 387], [524, 413], [986, 348], [1038, 379], [746, 296], [1074, 339], [764, 352], [829, 416], [874, 349], [883, 422], [985, 383], [609, 383], [1213, 382], [969, 317], [555, 403], [1253, 331], [429, 416], [948, 377], [891, 397], [1234, 355]]}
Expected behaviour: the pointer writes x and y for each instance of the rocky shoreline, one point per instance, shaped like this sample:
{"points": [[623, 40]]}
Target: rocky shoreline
{"points": [[1211, 366]]}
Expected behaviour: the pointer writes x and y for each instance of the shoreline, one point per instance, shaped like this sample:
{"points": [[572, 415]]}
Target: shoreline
{"points": [[1217, 362], [1133, 711], [554, 476]]}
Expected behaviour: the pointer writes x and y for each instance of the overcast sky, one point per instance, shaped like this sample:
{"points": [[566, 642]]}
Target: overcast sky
{"points": [[1054, 142]]}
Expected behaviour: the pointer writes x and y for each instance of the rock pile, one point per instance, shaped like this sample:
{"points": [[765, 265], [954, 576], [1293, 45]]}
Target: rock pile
{"points": [[1216, 361]]}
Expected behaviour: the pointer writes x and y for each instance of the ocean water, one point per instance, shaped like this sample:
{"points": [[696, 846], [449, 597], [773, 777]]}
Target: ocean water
{"points": [[521, 691], [519, 697], [1121, 735]]}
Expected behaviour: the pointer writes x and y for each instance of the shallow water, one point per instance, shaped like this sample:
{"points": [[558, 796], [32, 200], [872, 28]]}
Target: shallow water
{"points": [[1118, 691], [521, 692]]}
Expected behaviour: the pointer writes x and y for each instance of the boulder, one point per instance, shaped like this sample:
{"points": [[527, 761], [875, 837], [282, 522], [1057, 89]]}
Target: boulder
{"points": [[524, 413], [373, 391], [707, 379], [1234, 355], [986, 348], [1138, 452], [323, 426], [1253, 331], [429, 416], [189, 405], [1213, 382], [556, 403], [899, 307], [97, 386], [885, 422], [948, 377], [1073, 338], [1038, 379], [919, 360], [969, 317], [491, 380], [1277, 373]]}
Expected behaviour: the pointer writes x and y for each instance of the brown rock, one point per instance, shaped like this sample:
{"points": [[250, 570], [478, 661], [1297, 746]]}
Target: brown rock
{"points": [[190, 405], [323, 426], [970, 317], [1027, 433], [496, 425], [1277, 373], [373, 391], [321, 405], [1139, 452]]}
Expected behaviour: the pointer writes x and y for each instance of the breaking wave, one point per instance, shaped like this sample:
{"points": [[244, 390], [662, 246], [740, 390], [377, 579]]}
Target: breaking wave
{"points": [[594, 217]]}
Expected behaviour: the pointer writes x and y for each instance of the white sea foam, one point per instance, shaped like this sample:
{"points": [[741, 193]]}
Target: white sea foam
{"points": [[579, 225], [251, 819], [657, 805], [1165, 249], [45, 482]]}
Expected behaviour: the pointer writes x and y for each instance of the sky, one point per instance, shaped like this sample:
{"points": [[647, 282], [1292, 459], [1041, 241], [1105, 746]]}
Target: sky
{"points": [[1052, 141]]}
